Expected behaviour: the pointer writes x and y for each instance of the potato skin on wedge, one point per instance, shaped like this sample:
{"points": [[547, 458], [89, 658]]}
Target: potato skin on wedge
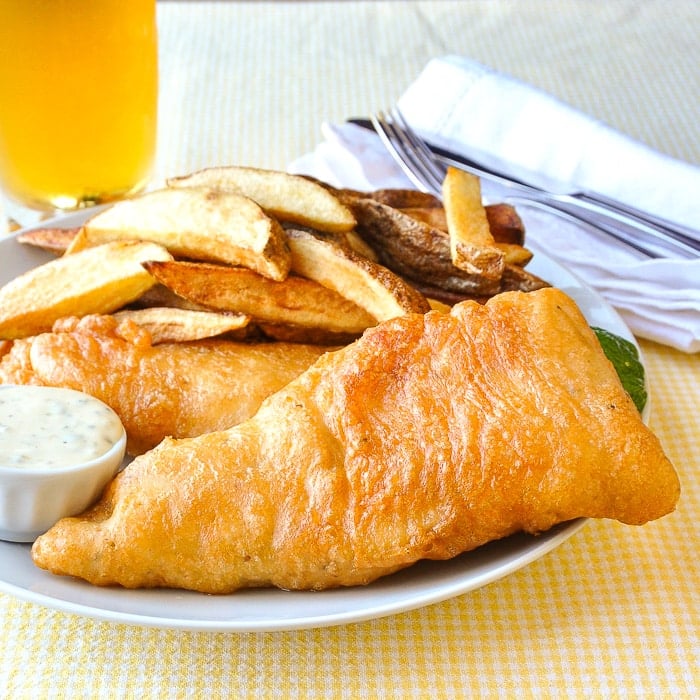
{"points": [[371, 286]]}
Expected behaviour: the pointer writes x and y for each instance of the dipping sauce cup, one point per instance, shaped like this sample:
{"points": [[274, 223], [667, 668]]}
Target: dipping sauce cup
{"points": [[58, 450]]}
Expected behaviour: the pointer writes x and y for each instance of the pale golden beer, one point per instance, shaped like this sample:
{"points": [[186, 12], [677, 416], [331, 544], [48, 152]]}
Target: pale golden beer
{"points": [[78, 100]]}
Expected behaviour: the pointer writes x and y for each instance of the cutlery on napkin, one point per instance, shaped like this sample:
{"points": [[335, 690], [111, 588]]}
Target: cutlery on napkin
{"points": [[465, 107]]}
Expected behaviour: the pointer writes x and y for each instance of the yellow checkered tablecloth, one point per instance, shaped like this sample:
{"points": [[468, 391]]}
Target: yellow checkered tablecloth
{"points": [[615, 610]]}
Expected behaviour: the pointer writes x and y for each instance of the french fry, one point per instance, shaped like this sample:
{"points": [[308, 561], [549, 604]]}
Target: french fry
{"points": [[415, 250], [421, 254], [355, 242], [505, 224], [159, 295], [472, 246], [295, 301], [348, 239], [97, 280], [514, 254], [288, 197], [173, 325], [356, 258], [518, 279], [373, 287], [433, 216], [301, 334], [405, 199], [52, 240], [514, 278], [197, 223], [437, 305]]}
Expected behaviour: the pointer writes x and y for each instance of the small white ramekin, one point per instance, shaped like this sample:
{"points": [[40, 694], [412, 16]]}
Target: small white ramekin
{"points": [[34, 499]]}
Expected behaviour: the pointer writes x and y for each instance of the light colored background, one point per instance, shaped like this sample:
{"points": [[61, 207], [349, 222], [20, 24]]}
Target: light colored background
{"points": [[283, 67], [614, 612]]}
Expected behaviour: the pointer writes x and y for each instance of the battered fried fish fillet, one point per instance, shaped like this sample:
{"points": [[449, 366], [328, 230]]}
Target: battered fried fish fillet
{"points": [[173, 389], [429, 436]]}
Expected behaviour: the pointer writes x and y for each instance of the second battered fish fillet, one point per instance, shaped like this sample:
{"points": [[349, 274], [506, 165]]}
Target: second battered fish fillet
{"points": [[428, 437], [172, 389]]}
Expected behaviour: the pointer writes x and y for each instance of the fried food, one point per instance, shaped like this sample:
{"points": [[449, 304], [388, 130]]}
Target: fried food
{"points": [[504, 224], [421, 254], [167, 324], [472, 246], [409, 229], [173, 389], [295, 301], [288, 197], [52, 240], [372, 287], [428, 437], [197, 223], [432, 216], [98, 280]]}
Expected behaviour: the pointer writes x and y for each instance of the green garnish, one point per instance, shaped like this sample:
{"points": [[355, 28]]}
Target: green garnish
{"points": [[625, 358]]}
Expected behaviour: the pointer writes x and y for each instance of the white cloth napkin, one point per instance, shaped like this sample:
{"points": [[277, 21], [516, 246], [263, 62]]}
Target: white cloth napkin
{"points": [[462, 105]]}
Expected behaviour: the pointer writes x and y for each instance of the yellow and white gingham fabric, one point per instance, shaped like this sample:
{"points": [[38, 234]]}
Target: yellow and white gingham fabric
{"points": [[612, 613]]}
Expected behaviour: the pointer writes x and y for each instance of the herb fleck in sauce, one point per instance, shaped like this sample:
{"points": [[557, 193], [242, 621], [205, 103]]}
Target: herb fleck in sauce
{"points": [[44, 427]]}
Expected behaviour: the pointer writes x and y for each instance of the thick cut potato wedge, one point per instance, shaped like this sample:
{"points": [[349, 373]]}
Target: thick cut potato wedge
{"points": [[199, 223], [501, 225], [518, 279], [415, 250], [159, 295], [371, 286], [421, 254], [288, 197], [172, 325], [307, 336], [354, 241], [52, 240], [504, 223], [433, 216], [294, 301], [97, 280], [405, 199], [472, 246], [514, 254]]}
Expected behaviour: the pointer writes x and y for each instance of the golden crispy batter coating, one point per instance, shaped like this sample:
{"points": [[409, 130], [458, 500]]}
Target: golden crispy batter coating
{"points": [[428, 437], [173, 389]]}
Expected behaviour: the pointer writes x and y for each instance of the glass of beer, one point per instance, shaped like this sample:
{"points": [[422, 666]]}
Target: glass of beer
{"points": [[78, 100]]}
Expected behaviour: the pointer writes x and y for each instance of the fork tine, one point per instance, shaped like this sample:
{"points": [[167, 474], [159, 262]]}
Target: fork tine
{"points": [[416, 154], [427, 172], [403, 153], [387, 134], [419, 146]]}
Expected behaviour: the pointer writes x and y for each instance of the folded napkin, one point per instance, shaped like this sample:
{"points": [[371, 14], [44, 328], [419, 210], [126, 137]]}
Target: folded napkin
{"points": [[463, 106]]}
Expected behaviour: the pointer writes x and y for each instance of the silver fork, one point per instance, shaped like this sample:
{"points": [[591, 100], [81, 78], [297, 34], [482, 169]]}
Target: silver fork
{"points": [[426, 169]]}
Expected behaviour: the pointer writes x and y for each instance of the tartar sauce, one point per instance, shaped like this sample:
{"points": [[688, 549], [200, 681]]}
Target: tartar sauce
{"points": [[44, 427]]}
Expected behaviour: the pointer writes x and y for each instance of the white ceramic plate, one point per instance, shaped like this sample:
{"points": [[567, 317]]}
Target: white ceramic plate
{"points": [[272, 609]]}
